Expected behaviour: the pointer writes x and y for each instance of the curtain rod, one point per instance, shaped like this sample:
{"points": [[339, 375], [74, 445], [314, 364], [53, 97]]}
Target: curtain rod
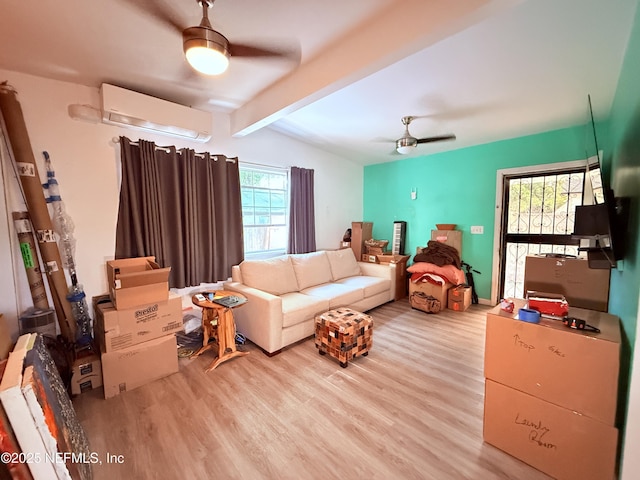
{"points": [[275, 167], [168, 150]]}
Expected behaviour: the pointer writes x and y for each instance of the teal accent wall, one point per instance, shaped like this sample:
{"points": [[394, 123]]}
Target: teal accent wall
{"points": [[622, 155], [460, 187]]}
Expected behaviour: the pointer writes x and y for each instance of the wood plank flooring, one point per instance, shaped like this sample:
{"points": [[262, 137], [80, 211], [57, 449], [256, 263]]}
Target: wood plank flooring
{"points": [[411, 409]]}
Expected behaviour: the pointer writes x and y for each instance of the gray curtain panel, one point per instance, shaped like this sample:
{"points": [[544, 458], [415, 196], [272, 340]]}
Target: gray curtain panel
{"points": [[302, 224], [182, 208]]}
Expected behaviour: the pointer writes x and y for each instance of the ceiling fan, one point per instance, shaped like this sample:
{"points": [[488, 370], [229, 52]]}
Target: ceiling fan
{"points": [[407, 142], [207, 50]]}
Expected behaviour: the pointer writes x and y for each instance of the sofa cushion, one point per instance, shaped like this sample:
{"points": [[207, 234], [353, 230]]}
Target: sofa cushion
{"points": [[338, 295], [298, 308], [370, 285], [343, 263], [272, 275], [311, 269]]}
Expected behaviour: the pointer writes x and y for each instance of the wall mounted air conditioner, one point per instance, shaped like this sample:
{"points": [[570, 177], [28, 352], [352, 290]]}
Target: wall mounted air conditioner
{"points": [[126, 108]]}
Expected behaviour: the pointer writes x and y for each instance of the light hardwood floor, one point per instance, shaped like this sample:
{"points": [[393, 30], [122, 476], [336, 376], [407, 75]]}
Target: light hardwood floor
{"points": [[411, 409]]}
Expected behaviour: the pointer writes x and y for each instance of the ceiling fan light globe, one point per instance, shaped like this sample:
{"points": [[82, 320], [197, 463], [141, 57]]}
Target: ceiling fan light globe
{"points": [[206, 50], [405, 150], [207, 60], [406, 145]]}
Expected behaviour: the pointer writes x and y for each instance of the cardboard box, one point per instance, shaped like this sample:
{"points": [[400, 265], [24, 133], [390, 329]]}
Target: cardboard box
{"points": [[400, 262], [571, 368], [391, 258], [582, 286], [453, 238], [86, 374], [118, 329], [124, 370], [553, 439], [137, 281], [459, 298], [360, 231], [373, 250], [369, 258], [437, 291]]}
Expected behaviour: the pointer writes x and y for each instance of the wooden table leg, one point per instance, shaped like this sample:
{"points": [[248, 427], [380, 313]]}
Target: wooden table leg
{"points": [[226, 339], [209, 328]]}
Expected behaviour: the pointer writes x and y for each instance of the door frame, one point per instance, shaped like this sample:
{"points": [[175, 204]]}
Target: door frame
{"points": [[497, 226]]}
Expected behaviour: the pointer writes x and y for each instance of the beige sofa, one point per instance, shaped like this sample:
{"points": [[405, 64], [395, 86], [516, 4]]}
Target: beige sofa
{"points": [[285, 293]]}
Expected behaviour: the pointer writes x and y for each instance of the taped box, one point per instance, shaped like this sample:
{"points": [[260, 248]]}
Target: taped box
{"points": [[86, 374], [439, 292], [122, 328], [572, 368], [132, 367], [582, 286], [553, 439], [392, 258], [370, 258], [459, 298], [137, 281]]}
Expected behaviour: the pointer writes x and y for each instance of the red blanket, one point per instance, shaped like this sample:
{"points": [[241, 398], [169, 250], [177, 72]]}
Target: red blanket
{"points": [[450, 273]]}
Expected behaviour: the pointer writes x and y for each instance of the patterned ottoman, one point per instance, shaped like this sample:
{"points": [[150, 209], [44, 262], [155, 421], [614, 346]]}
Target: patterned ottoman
{"points": [[344, 334]]}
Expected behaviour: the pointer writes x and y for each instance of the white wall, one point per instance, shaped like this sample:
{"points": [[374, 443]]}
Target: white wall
{"points": [[87, 168]]}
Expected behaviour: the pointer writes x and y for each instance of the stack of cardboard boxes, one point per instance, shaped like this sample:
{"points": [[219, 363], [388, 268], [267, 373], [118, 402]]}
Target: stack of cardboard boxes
{"points": [[373, 249], [135, 325], [458, 300], [551, 392]]}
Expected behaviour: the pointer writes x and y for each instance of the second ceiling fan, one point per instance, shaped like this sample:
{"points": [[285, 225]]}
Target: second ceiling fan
{"points": [[407, 143]]}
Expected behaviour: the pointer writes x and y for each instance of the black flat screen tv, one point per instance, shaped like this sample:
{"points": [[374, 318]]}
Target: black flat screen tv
{"points": [[601, 226]]}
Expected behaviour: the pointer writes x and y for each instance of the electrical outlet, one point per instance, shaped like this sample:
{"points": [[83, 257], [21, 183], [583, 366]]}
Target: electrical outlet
{"points": [[477, 229]]}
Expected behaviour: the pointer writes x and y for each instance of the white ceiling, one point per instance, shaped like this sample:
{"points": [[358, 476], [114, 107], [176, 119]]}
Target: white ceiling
{"points": [[485, 70]]}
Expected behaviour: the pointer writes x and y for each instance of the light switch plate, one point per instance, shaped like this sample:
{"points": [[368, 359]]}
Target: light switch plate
{"points": [[477, 229]]}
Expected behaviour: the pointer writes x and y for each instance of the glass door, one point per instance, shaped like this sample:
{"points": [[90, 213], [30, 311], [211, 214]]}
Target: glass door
{"points": [[538, 218]]}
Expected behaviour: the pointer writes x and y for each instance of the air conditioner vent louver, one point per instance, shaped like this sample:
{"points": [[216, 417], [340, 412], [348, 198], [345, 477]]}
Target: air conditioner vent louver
{"points": [[126, 108]]}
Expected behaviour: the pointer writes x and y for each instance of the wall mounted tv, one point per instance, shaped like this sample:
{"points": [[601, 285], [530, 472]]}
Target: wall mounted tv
{"points": [[601, 226]]}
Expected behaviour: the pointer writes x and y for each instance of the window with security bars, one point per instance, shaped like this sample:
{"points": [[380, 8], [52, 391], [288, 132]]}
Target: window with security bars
{"points": [[538, 219], [265, 195]]}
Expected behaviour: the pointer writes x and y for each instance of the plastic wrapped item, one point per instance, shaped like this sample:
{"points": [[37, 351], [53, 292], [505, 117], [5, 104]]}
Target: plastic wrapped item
{"points": [[80, 311], [507, 305]]}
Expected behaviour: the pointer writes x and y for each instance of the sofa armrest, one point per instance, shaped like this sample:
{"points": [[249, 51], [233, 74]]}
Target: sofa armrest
{"points": [[260, 319], [384, 270]]}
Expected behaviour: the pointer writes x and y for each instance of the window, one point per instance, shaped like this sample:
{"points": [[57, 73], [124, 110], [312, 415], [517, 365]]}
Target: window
{"points": [[265, 215]]}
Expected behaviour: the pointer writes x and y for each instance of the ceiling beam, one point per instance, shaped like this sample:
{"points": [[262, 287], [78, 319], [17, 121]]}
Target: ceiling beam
{"points": [[404, 28]]}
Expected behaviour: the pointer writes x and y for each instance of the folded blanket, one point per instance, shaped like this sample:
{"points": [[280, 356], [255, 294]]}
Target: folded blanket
{"points": [[439, 254]]}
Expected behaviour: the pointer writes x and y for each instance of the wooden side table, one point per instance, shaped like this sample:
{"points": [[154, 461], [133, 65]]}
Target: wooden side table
{"points": [[218, 324]]}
